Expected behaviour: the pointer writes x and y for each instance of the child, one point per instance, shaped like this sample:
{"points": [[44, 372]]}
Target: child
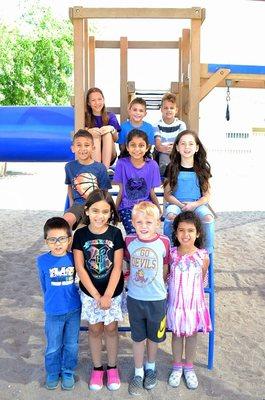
{"points": [[136, 111], [148, 253], [187, 187], [166, 130], [98, 254], [137, 176], [187, 312], [61, 304], [103, 126], [83, 175]]}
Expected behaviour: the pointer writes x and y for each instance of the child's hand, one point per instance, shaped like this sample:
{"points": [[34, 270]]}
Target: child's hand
{"points": [[105, 302], [169, 148], [106, 129], [95, 132], [189, 206]]}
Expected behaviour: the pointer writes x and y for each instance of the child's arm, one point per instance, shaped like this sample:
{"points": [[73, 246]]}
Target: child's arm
{"points": [[70, 195], [155, 200], [191, 205], [163, 148], [42, 280], [105, 300], [119, 196], [205, 266], [109, 129], [168, 196], [165, 272], [82, 274]]}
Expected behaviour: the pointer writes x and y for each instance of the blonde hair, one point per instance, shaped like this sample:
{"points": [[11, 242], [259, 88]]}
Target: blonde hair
{"points": [[147, 208]]}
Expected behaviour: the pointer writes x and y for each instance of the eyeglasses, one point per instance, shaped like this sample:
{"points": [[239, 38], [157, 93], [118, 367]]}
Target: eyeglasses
{"points": [[60, 239]]}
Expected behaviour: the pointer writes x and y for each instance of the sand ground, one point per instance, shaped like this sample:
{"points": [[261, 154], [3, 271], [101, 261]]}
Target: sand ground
{"points": [[239, 364]]}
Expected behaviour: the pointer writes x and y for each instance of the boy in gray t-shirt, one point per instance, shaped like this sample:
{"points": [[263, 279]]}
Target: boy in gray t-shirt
{"points": [[148, 253]]}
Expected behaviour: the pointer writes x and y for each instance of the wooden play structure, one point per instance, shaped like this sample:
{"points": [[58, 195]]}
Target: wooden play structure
{"points": [[193, 81]]}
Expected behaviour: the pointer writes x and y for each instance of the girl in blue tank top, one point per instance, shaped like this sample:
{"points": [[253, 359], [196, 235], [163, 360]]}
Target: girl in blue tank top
{"points": [[186, 187]]}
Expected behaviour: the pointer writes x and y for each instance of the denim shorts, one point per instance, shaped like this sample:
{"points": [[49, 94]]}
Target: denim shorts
{"points": [[147, 319]]}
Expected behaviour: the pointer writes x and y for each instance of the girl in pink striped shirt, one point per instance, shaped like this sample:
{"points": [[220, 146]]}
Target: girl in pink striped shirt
{"points": [[187, 311]]}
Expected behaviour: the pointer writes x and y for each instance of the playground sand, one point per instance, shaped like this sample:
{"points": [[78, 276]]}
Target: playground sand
{"points": [[240, 310]]}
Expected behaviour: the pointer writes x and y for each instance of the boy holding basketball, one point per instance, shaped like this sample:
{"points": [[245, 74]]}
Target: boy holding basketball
{"points": [[83, 175]]}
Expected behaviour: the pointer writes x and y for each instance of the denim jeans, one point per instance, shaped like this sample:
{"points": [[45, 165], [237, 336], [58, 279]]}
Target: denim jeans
{"points": [[62, 332]]}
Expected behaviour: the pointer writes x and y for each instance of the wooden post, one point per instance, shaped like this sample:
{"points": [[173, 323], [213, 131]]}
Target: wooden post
{"points": [[184, 90], [194, 93], [91, 61], [79, 73], [124, 77], [86, 81], [180, 106]]}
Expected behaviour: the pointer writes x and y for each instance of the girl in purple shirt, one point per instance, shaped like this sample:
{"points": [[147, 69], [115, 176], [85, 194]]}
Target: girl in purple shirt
{"points": [[103, 126], [137, 175]]}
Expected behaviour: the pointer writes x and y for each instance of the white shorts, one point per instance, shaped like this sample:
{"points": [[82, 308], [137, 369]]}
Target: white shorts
{"points": [[93, 314]]}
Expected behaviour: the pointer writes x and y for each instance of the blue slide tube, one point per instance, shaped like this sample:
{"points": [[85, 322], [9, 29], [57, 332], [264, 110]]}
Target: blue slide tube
{"points": [[36, 134]]}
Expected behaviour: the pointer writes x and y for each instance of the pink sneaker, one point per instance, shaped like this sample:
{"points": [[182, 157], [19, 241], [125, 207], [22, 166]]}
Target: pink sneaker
{"points": [[96, 380], [113, 379]]}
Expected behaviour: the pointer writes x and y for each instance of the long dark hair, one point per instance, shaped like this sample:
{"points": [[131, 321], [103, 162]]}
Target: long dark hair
{"points": [[89, 117], [136, 133], [201, 166], [98, 195], [191, 217]]}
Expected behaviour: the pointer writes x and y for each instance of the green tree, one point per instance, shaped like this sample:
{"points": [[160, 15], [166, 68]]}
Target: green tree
{"points": [[36, 59]]}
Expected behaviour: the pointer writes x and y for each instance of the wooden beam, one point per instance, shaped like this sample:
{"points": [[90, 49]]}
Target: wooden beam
{"points": [[237, 77], [131, 87], [91, 61], [86, 67], [79, 74], [184, 87], [213, 81], [136, 44], [239, 84], [123, 77], [115, 110], [194, 92], [195, 13]]}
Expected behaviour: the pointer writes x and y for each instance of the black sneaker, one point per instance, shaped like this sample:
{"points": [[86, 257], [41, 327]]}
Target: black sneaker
{"points": [[150, 379], [136, 386]]}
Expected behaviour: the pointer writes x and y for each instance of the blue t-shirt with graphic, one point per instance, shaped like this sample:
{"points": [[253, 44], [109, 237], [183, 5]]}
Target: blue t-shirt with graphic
{"points": [[57, 276], [127, 126], [84, 178]]}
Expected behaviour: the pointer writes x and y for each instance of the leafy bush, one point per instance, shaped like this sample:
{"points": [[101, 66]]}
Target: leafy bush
{"points": [[36, 59]]}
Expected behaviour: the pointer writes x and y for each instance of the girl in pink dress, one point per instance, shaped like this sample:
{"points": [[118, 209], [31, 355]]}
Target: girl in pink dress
{"points": [[187, 311]]}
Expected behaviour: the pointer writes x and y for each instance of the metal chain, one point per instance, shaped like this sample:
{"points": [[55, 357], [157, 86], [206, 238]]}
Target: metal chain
{"points": [[228, 98]]}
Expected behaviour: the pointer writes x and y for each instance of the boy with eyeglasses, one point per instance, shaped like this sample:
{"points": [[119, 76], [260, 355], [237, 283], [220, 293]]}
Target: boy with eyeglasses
{"points": [[62, 305]]}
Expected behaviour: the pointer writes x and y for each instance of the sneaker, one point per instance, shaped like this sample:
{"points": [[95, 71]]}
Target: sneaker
{"points": [[191, 379], [175, 377], [110, 171], [113, 379], [52, 381], [136, 386], [68, 381], [150, 379], [96, 380]]}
